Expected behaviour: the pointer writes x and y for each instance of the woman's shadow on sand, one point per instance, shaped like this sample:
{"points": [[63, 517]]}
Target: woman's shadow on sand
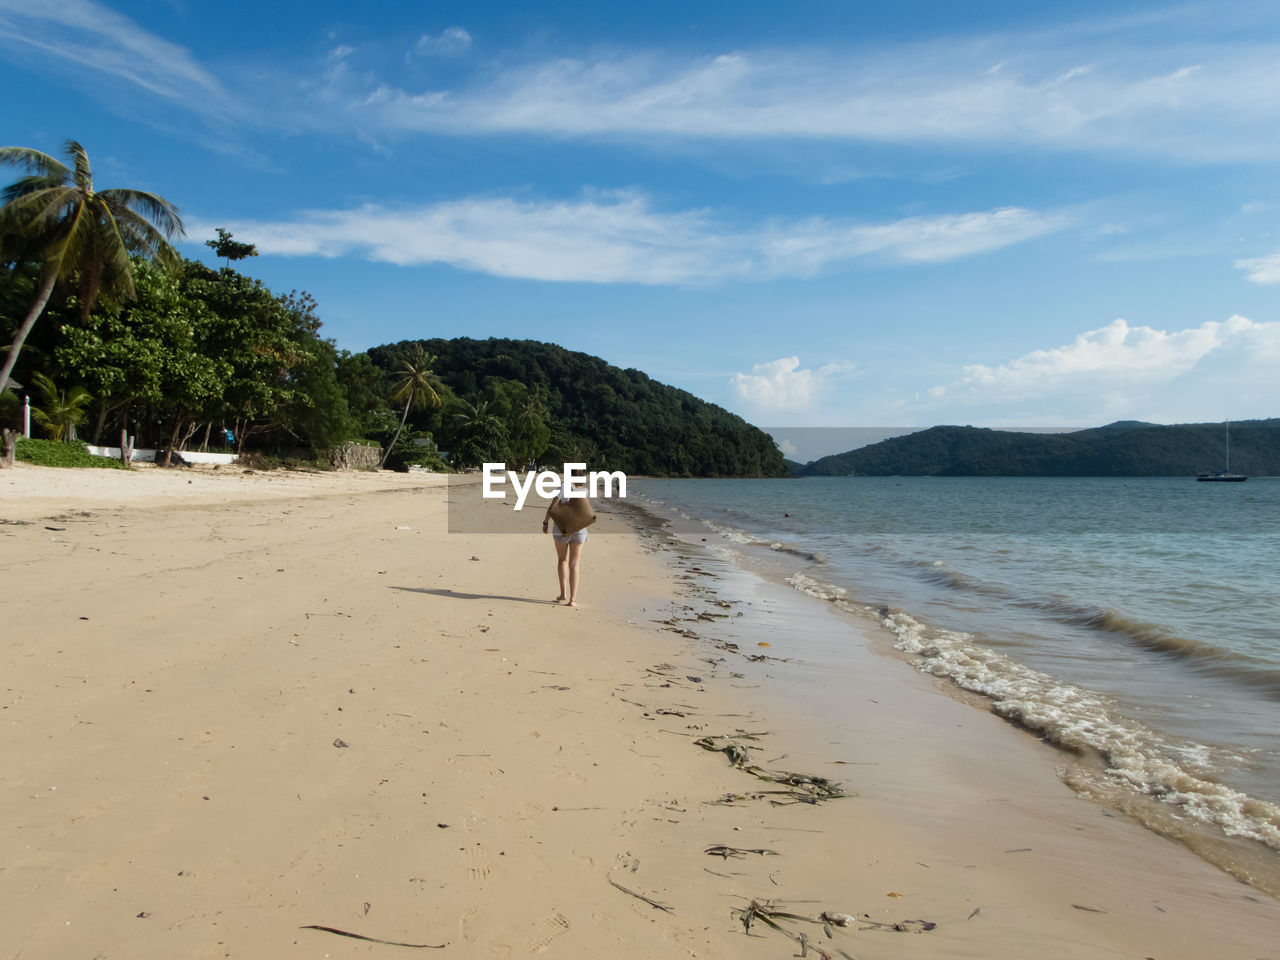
{"points": [[459, 595]]}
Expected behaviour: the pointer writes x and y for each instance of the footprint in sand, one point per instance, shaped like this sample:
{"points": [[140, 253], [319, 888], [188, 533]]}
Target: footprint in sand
{"points": [[467, 924], [529, 810], [479, 863], [546, 930]]}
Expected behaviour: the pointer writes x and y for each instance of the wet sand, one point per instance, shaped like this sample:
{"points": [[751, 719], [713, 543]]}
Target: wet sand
{"points": [[236, 707]]}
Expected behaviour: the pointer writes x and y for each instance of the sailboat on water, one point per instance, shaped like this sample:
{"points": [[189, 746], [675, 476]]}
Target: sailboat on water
{"points": [[1224, 475]]}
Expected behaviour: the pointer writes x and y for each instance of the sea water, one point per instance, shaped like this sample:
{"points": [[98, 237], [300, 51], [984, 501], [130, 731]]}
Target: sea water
{"points": [[1132, 622]]}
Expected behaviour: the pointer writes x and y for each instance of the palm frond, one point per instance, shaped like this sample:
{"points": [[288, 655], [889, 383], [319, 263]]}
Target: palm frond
{"points": [[69, 244], [83, 174], [41, 163], [114, 266], [142, 237], [40, 212], [31, 184], [163, 214]]}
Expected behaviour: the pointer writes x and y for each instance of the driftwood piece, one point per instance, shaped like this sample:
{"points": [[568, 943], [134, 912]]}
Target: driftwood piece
{"points": [[641, 896], [721, 850], [360, 936]]}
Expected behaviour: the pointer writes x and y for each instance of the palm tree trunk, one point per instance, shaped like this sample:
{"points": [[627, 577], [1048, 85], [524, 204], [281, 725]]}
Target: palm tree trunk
{"points": [[405, 416], [37, 308]]}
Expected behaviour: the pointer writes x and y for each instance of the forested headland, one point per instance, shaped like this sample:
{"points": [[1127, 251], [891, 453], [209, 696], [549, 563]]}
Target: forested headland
{"points": [[539, 401], [201, 351], [1122, 449]]}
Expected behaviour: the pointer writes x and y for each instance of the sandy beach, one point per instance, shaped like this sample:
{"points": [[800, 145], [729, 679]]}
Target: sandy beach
{"points": [[243, 711]]}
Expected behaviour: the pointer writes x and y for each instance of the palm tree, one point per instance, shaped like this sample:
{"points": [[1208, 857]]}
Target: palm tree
{"points": [[417, 385], [532, 431], [474, 416], [61, 409], [78, 233]]}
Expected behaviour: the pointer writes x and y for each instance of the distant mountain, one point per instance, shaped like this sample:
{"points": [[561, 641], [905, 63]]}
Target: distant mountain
{"points": [[1127, 448]]}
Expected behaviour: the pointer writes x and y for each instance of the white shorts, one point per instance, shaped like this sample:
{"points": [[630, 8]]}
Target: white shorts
{"points": [[579, 536]]}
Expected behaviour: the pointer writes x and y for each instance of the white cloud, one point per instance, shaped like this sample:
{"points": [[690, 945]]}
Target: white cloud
{"points": [[1263, 270], [89, 35], [781, 386], [1111, 369], [451, 43], [1196, 102], [1090, 87], [618, 237]]}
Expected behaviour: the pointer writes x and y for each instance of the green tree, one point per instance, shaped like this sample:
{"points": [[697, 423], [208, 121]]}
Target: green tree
{"points": [[262, 339], [484, 437], [532, 433], [416, 383], [230, 249], [60, 410], [366, 390], [54, 216]]}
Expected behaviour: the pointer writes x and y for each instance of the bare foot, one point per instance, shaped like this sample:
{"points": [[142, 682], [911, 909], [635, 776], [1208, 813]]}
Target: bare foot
{"points": [[560, 599], [573, 603]]}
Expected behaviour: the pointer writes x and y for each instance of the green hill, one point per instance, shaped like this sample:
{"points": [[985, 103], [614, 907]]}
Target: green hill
{"points": [[615, 419], [1123, 449]]}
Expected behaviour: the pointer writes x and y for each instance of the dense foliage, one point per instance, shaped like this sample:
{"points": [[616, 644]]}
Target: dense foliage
{"points": [[194, 350], [524, 401], [1125, 449], [213, 359], [56, 453], [78, 236]]}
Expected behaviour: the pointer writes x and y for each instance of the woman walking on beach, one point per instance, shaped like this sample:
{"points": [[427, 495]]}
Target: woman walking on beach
{"points": [[569, 545]]}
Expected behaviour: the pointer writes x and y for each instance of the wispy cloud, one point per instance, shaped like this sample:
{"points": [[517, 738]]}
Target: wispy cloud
{"points": [[618, 237], [452, 42], [1263, 270], [88, 35], [1201, 103], [1104, 87]]}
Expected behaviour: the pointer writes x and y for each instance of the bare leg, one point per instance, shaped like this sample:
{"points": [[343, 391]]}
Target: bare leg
{"points": [[575, 553], [562, 570]]}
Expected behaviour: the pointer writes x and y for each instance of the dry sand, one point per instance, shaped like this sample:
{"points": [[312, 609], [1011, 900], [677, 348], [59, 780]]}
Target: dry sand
{"points": [[232, 706]]}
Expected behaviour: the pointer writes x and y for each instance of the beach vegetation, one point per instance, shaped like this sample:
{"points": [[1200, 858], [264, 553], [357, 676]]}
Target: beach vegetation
{"points": [[416, 384], [415, 448], [58, 453], [61, 409], [10, 410], [82, 239]]}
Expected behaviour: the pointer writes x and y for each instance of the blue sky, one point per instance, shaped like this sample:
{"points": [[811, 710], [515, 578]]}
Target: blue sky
{"points": [[818, 213]]}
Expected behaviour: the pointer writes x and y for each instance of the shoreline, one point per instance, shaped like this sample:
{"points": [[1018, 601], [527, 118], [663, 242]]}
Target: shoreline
{"points": [[491, 803], [1104, 752]]}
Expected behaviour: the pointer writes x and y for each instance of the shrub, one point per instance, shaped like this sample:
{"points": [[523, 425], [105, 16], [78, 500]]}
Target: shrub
{"points": [[52, 453]]}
